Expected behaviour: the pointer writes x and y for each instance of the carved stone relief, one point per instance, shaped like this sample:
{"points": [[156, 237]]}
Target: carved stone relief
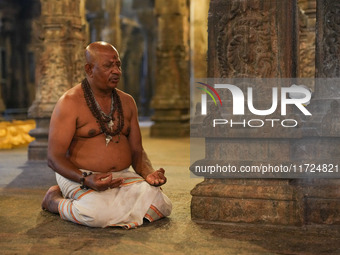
{"points": [[307, 56], [307, 20], [53, 71], [331, 40], [246, 42]]}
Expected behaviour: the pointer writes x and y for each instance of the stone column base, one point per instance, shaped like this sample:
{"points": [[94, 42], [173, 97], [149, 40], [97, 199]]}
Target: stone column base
{"points": [[37, 150], [272, 202], [170, 129], [170, 120]]}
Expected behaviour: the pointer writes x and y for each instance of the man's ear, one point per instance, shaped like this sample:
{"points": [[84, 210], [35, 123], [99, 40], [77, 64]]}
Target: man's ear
{"points": [[88, 69]]}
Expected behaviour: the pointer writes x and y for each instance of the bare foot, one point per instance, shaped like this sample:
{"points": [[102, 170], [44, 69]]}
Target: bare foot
{"points": [[52, 199]]}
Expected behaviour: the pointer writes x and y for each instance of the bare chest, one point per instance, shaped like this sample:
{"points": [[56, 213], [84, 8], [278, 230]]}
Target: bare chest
{"points": [[88, 126]]}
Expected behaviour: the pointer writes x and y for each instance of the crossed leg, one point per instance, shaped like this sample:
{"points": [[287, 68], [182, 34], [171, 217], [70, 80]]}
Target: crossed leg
{"points": [[52, 198]]}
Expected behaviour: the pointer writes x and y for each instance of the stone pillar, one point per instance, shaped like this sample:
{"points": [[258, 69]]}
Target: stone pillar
{"points": [[147, 19], [2, 105], [104, 24], [86, 26], [198, 38], [111, 32], [8, 13], [307, 17], [104, 21], [316, 140], [15, 33], [171, 100], [2, 75], [322, 196], [95, 17], [131, 53], [328, 38], [250, 38], [59, 64]]}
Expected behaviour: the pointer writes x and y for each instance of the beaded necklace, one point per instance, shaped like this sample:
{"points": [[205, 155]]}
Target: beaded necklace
{"points": [[106, 122]]}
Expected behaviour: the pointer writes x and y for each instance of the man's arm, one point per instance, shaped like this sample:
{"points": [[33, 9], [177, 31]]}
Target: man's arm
{"points": [[140, 161], [61, 132]]}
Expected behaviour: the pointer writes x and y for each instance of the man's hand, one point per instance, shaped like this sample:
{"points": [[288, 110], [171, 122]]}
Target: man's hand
{"points": [[101, 182], [157, 178]]}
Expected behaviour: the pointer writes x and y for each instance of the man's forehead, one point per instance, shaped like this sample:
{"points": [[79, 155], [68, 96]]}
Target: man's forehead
{"points": [[98, 51], [111, 54]]}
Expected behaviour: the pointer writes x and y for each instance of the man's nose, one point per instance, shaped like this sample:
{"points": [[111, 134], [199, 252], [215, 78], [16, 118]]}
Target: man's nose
{"points": [[116, 70]]}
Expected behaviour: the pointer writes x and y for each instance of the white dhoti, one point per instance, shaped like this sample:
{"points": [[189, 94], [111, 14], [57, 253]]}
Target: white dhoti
{"points": [[125, 206]]}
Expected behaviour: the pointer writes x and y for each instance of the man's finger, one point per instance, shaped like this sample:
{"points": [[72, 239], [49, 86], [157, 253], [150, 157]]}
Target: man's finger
{"points": [[116, 182], [120, 179], [161, 170], [105, 177], [150, 179], [161, 176]]}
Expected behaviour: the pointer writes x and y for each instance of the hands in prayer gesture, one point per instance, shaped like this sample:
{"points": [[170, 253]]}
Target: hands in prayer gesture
{"points": [[101, 182]]}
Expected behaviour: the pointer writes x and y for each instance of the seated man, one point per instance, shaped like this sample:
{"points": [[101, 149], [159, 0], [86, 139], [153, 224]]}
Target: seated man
{"points": [[94, 138]]}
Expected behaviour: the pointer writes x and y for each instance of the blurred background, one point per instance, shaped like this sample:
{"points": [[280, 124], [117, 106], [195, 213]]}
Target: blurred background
{"points": [[162, 45]]}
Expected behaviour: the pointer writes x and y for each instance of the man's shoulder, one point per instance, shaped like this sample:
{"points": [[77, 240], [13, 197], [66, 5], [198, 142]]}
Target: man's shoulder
{"points": [[68, 104], [125, 97], [71, 97], [123, 94], [74, 94]]}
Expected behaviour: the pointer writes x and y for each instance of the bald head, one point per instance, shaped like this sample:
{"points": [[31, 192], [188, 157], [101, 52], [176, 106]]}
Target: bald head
{"points": [[103, 65], [94, 49]]}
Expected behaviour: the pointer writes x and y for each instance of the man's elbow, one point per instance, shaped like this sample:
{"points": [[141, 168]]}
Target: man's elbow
{"points": [[50, 162]]}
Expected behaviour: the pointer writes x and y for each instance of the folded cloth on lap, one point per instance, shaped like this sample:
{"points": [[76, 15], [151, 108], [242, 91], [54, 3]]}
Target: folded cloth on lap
{"points": [[125, 206]]}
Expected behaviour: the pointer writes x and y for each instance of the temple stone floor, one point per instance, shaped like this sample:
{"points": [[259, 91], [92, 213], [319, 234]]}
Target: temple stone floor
{"points": [[26, 229]]}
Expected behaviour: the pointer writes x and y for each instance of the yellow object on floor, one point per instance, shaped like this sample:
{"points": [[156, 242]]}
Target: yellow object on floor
{"points": [[15, 133]]}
